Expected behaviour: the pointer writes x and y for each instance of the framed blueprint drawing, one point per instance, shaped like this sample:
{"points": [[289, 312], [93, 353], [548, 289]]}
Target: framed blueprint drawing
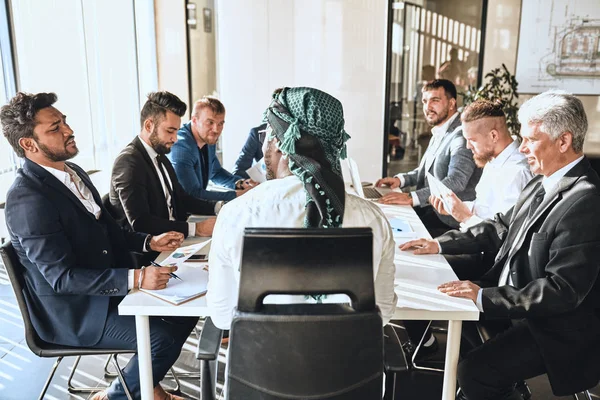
{"points": [[559, 46]]}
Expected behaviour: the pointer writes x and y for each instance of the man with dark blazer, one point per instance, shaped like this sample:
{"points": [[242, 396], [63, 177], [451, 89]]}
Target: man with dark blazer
{"points": [[145, 194], [447, 158], [544, 282], [76, 260], [252, 151]]}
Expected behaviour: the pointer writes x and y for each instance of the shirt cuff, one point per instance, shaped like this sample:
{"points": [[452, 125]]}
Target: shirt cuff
{"points": [[191, 229], [439, 246], [415, 199], [130, 276], [479, 302], [218, 206], [402, 180], [471, 221]]}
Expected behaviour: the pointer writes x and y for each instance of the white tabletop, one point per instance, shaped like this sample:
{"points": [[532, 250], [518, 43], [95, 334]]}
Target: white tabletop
{"points": [[417, 279]]}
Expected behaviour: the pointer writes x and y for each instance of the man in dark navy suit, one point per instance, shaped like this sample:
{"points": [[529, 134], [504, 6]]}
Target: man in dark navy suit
{"points": [[76, 258]]}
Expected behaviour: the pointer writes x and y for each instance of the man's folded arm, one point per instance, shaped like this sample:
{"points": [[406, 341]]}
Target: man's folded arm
{"points": [[461, 166], [191, 184]]}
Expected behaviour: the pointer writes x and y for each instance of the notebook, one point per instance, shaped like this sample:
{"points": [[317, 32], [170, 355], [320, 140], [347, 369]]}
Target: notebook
{"points": [[193, 283]]}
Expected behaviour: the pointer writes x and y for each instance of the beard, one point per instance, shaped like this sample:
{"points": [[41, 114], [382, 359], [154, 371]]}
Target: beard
{"points": [[60, 155], [158, 146], [482, 159], [435, 119], [271, 169]]}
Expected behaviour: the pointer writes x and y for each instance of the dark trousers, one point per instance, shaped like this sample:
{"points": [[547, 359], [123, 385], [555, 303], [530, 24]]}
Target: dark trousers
{"points": [[432, 222], [167, 336], [491, 370]]}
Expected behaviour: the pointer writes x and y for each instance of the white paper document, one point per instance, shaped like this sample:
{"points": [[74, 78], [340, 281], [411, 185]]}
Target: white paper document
{"points": [[258, 172], [401, 228], [438, 189], [193, 283], [180, 255]]}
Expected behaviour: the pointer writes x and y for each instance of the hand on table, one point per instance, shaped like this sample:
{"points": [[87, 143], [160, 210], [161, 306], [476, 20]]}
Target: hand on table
{"points": [[392, 182], [403, 199], [464, 289], [206, 227], [168, 241], [421, 246], [154, 277]]}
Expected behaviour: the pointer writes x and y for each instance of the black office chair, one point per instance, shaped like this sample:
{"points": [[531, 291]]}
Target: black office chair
{"points": [[300, 351], [41, 348]]}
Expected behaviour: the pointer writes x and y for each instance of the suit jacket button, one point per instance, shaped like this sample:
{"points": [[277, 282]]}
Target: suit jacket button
{"points": [[104, 251]]}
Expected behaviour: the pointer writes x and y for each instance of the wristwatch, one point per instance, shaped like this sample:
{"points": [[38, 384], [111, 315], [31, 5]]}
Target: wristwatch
{"points": [[147, 243], [239, 184]]}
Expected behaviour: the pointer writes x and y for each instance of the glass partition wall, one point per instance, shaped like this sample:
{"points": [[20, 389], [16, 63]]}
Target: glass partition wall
{"points": [[429, 39]]}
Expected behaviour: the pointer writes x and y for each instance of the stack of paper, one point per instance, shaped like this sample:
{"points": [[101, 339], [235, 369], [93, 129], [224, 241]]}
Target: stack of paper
{"points": [[193, 283]]}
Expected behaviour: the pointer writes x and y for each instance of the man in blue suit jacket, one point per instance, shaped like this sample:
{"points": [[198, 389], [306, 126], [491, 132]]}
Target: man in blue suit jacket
{"points": [[193, 155], [76, 258]]}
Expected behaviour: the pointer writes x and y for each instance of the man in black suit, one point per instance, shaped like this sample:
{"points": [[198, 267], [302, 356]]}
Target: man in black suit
{"points": [[544, 282], [76, 260], [145, 194]]}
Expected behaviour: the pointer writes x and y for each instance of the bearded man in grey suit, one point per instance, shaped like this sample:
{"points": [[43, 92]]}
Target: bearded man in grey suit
{"points": [[544, 283], [447, 158]]}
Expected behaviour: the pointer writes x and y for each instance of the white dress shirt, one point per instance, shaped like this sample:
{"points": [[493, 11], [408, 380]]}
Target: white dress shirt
{"points": [[438, 133], [73, 182], [549, 183], [501, 184], [153, 154], [280, 203]]}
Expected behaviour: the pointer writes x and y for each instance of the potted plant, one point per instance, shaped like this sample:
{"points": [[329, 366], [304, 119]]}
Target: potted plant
{"points": [[500, 85]]}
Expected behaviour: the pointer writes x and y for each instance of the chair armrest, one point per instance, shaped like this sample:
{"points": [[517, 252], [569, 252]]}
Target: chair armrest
{"points": [[210, 341], [394, 359]]}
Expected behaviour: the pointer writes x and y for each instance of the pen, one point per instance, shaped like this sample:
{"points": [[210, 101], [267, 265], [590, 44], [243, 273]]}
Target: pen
{"points": [[170, 273]]}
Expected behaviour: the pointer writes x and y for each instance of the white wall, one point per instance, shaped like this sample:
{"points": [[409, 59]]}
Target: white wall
{"points": [[85, 51], [334, 45]]}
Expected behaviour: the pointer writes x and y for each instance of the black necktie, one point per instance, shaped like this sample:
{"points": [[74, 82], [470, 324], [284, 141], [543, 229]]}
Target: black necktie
{"points": [[161, 168], [537, 200]]}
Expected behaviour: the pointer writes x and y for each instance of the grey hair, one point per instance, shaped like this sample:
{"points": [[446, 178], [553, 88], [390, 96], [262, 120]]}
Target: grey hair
{"points": [[556, 112]]}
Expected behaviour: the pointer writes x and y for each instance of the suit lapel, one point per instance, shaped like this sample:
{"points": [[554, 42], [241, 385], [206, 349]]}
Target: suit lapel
{"points": [[48, 179], [456, 124]]}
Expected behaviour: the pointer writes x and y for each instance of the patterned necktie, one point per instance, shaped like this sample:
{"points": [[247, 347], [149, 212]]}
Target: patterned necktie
{"points": [[537, 200], [161, 168]]}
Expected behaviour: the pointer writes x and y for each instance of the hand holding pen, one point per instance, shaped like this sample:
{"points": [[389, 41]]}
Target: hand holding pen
{"points": [[171, 274]]}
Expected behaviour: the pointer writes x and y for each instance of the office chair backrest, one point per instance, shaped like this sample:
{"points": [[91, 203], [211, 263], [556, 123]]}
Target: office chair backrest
{"points": [[306, 351], [307, 261], [15, 270]]}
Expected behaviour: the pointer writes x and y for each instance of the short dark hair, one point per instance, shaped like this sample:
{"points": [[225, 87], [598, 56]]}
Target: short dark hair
{"points": [[209, 102], [482, 109], [18, 116], [448, 86], [158, 104]]}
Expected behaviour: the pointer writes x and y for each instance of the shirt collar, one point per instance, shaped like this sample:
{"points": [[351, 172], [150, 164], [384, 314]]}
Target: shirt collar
{"points": [[440, 130], [151, 152], [63, 176], [551, 181], [505, 154]]}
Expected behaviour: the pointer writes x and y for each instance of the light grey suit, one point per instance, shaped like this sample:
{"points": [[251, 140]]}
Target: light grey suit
{"points": [[449, 160]]}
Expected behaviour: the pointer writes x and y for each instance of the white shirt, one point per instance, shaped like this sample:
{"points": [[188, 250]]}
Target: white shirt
{"points": [[501, 184], [153, 154], [280, 203], [549, 184], [438, 133], [73, 182]]}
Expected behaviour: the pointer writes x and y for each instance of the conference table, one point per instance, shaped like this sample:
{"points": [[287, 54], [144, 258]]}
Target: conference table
{"points": [[416, 282]]}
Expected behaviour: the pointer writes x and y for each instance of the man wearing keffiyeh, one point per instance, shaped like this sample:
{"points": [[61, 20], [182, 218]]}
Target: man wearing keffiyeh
{"points": [[305, 141]]}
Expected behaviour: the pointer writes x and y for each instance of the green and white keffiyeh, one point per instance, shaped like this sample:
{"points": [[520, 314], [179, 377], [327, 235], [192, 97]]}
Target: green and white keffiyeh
{"points": [[309, 125]]}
